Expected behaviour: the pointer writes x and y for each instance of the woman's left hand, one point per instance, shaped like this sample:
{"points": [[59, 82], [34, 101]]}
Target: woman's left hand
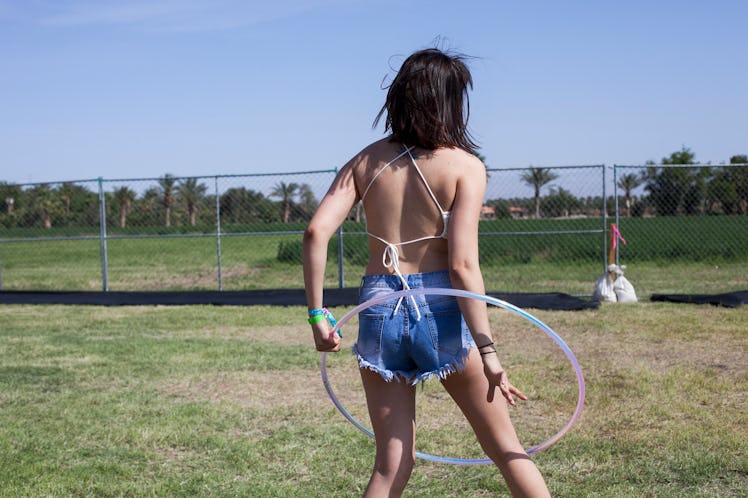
{"points": [[497, 377]]}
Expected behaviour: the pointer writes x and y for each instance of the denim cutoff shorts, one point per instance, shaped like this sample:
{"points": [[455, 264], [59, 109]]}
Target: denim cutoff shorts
{"points": [[397, 344]]}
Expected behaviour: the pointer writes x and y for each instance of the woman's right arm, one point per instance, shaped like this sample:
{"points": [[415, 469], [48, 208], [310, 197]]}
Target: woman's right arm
{"points": [[330, 214]]}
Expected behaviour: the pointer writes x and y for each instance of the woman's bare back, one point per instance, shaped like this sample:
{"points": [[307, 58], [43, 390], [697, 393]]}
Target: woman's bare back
{"points": [[399, 207]]}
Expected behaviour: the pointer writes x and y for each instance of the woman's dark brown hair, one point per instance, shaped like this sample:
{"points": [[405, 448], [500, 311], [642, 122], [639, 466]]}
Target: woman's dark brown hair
{"points": [[427, 103]]}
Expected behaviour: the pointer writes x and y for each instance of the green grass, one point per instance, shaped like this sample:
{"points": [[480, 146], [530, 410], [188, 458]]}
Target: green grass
{"points": [[187, 264], [227, 401]]}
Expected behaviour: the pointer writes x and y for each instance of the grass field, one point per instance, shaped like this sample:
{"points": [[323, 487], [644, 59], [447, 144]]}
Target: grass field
{"points": [[251, 263], [227, 401]]}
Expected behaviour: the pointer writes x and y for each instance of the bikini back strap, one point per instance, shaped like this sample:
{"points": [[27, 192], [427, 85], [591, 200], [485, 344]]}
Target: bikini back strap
{"points": [[376, 175], [423, 179]]}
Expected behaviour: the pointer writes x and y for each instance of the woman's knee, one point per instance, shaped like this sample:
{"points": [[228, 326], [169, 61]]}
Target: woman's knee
{"points": [[395, 468]]}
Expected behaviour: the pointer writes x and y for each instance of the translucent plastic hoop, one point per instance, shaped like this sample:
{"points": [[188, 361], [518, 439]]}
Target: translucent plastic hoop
{"points": [[459, 293]]}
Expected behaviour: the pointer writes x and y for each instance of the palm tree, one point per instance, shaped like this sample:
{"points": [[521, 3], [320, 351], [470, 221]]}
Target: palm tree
{"points": [[307, 202], [47, 203], [124, 197], [9, 193], [191, 193], [286, 192], [740, 179], [627, 183], [67, 190], [537, 178], [167, 184]]}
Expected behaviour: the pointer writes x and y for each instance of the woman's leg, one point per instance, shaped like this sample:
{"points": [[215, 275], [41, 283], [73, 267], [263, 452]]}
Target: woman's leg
{"points": [[494, 429], [392, 411]]}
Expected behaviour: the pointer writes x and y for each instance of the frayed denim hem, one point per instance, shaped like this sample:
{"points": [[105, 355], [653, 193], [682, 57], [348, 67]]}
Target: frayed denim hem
{"points": [[457, 365]]}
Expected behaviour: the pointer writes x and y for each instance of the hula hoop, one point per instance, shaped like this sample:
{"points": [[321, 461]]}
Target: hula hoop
{"points": [[459, 293]]}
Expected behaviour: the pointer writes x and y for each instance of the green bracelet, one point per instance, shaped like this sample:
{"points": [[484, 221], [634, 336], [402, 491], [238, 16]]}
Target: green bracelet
{"points": [[316, 318]]}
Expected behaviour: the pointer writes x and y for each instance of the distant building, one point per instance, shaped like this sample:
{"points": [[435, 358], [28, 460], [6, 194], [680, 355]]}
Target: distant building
{"points": [[517, 212], [487, 212]]}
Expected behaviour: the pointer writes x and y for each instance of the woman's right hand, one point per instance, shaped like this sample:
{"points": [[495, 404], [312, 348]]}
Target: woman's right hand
{"points": [[323, 339], [497, 377]]}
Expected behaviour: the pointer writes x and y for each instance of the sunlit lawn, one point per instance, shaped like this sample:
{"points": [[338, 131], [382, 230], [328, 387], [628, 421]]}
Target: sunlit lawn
{"points": [[227, 401]]}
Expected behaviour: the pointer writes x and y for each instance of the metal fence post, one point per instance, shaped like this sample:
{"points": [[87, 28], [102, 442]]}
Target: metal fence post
{"points": [[341, 276], [615, 193], [605, 225], [218, 235], [103, 237]]}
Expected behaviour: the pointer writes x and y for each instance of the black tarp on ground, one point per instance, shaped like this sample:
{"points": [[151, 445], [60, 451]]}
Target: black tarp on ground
{"points": [[728, 299], [273, 297]]}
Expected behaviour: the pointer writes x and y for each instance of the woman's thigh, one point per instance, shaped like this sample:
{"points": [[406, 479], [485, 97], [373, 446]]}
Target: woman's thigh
{"points": [[392, 411], [490, 420]]}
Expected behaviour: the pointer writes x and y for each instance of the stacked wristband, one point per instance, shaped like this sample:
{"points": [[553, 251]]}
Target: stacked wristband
{"points": [[320, 314], [490, 351]]}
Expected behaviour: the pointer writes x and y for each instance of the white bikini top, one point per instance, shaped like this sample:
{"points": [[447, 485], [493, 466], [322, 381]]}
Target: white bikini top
{"points": [[391, 254]]}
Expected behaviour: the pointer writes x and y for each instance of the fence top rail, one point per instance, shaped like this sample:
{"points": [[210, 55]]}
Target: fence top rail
{"points": [[51, 182], [335, 170], [697, 165], [525, 168], [156, 178], [237, 175]]}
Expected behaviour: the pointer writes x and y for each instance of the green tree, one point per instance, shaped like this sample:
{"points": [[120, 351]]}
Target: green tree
{"points": [[682, 156], [80, 205], [124, 197], [240, 205], [628, 183], [694, 199], [167, 184], [9, 196], [307, 202], [192, 194], [722, 192], [500, 206], [667, 187], [148, 207], [560, 203], [67, 191], [46, 204], [537, 178], [286, 193], [739, 175]]}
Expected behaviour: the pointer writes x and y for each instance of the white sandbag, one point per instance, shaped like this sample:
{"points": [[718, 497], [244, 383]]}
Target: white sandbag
{"points": [[604, 290], [624, 290]]}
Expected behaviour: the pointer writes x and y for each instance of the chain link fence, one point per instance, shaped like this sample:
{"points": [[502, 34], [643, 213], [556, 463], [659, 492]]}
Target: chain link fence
{"points": [[543, 229], [686, 226]]}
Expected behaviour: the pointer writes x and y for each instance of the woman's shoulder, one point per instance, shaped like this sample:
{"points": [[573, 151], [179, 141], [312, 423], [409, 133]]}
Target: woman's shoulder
{"points": [[386, 149], [373, 154], [464, 162], [462, 155], [381, 148]]}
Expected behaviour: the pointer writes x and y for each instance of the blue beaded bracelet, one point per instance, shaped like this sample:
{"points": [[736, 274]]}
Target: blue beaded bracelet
{"points": [[316, 315]]}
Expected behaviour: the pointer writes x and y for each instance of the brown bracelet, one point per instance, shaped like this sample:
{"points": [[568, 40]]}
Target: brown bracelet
{"points": [[486, 345]]}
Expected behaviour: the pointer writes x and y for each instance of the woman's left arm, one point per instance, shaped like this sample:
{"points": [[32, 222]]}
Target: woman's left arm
{"points": [[332, 211]]}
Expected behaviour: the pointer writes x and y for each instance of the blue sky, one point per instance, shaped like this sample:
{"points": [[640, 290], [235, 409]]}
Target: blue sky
{"points": [[127, 89]]}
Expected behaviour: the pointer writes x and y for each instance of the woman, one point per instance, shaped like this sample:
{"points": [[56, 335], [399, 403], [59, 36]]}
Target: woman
{"points": [[422, 188]]}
